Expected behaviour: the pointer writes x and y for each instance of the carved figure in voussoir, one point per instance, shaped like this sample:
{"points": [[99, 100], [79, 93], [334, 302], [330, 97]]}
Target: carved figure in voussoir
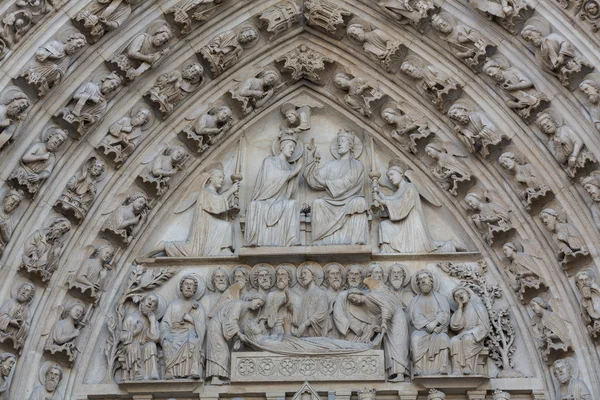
{"points": [[102, 16], [80, 193], [474, 128], [508, 13], [567, 237], [209, 128], [591, 88], [411, 12], [43, 248], [7, 363], [18, 22], [360, 92], [524, 273], [13, 109], [254, 92], [62, 336], [128, 218], [536, 189], [489, 214], [435, 394], [172, 87], [585, 281], [224, 50], [378, 45], [406, 125], [298, 117], [447, 169], [92, 273], [14, 315], [186, 12], [569, 385], [38, 162], [550, 329], [51, 375], [10, 202], [591, 184], [163, 167]]}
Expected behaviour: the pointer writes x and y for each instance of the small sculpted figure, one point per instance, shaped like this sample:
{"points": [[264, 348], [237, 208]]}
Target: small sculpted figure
{"points": [[523, 270], [210, 127], [590, 300], [490, 216], [14, 315], [210, 234], [80, 193], [406, 125], [568, 238], [273, 214], [13, 110], [128, 219], [474, 128], [25, 15], [341, 216], [523, 97], [172, 87], [48, 390], [139, 336], [43, 248], [255, 92], [187, 11], [566, 146], [225, 49], [144, 52], [412, 12], [10, 202], [125, 135], [64, 332], [398, 281], [448, 170], [313, 318], [91, 275], [217, 285], [591, 88], [51, 62], [360, 93], [550, 330], [436, 395], [527, 175], [377, 44], [103, 16], [467, 44], [508, 13], [7, 363], [591, 184], [354, 322], [282, 303], [164, 166], [471, 323], [297, 117], [183, 329], [241, 274], [569, 386], [262, 277], [334, 280], [90, 102], [36, 165], [429, 313]]}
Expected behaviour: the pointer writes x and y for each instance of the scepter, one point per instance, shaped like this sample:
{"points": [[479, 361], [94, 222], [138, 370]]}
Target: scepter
{"points": [[374, 175], [237, 177]]}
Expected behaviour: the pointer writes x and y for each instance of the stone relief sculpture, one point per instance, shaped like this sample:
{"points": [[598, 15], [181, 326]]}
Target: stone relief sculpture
{"points": [[591, 88], [217, 284], [411, 12], [489, 213], [51, 62], [43, 248], [14, 315], [341, 217], [447, 169], [282, 303], [304, 62], [62, 336], [186, 12], [398, 281], [51, 374], [172, 87], [273, 214], [569, 385], [585, 281], [566, 146], [378, 45], [241, 274], [313, 318], [10, 202], [89, 278], [550, 330], [407, 125], [434, 84], [467, 44], [125, 221], [18, 22], [523, 97], [256, 91], [500, 395], [224, 50], [474, 128], [527, 175], [571, 244], [435, 394], [555, 53], [209, 128], [144, 51], [591, 184], [588, 11], [360, 93], [508, 13], [36, 165], [334, 278], [125, 135], [262, 278], [13, 110], [523, 271], [162, 167], [7, 363], [298, 117], [90, 102], [325, 15], [104, 16], [81, 190]]}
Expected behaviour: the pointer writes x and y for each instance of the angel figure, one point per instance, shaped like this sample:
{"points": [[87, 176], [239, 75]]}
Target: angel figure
{"points": [[377, 44], [43, 248], [61, 338], [360, 92], [508, 13], [525, 174], [172, 87], [523, 270], [490, 214], [91, 274], [256, 91], [209, 128], [413, 12], [406, 229], [298, 117], [210, 234], [590, 300], [550, 329], [474, 128], [568, 238], [80, 193], [163, 167], [406, 124], [127, 220], [448, 170], [10, 202]]}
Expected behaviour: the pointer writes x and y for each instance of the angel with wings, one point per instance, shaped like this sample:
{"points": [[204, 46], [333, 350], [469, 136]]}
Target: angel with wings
{"points": [[406, 230], [448, 169], [550, 328], [489, 213]]}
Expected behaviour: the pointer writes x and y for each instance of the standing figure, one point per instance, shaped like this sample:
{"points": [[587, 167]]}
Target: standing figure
{"points": [[569, 386], [182, 331], [313, 318], [568, 238], [282, 304], [377, 44], [549, 329], [217, 285], [7, 363], [103, 16], [591, 88], [398, 281], [341, 216], [48, 390], [590, 301], [128, 219], [172, 87], [474, 128], [92, 273], [241, 275], [490, 216], [447, 169], [209, 128], [255, 92], [14, 315], [13, 110], [64, 332], [80, 193], [10, 202], [43, 248], [360, 93], [527, 175], [406, 124], [591, 184], [224, 50], [523, 271], [163, 167]]}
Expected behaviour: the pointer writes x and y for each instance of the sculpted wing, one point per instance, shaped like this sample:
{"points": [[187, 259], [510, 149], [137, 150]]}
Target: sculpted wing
{"points": [[424, 190]]}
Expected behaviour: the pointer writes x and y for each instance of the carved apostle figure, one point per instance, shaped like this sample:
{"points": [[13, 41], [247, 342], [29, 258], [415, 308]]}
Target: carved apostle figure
{"points": [[507, 13], [36, 165], [125, 135], [217, 285], [64, 332], [590, 300], [172, 87], [282, 303], [398, 280], [568, 238], [490, 216], [474, 128], [139, 335], [405, 124], [430, 315], [334, 280], [7, 363], [144, 51], [448, 170], [262, 277], [313, 318], [80, 193], [255, 92], [11, 200], [360, 93], [128, 219], [163, 167], [527, 175], [210, 127], [14, 315], [591, 88], [241, 275], [224, 50], [273, 215], [472, 324], [591, 184], [377, 44], [569, 386], [523, 271], [549, 329], [566, 146], [52, 377], [90, 276], [103, 16], [415, 12], [13, 109], [43, 248], [182, 331], [341, 216]]}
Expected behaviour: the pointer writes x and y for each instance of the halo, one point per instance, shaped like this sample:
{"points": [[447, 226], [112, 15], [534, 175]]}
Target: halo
{"points": [[291, 269], [360, 267], [358, 21], [137, 108], [213, 166], [466, 103], [15, 287], [453, 303], [156, 25], [11, 91], [51, 130], [540, 24], [68, 32], [162, 306], [298, 151], [199, 290], [44, 369], [554, 114], [254, 274], [372, 266], [209, 282], [413, 280], [330, 265], [356, 151], [404, 268], [315, 268], [243, 267]]}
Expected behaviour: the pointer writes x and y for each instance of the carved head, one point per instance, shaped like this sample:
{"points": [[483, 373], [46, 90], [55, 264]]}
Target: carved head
{"points": [[138, 202], [241, 275], [25, 292], [433, 151], [532, 35], [345, 142], [283, 278], [177, 154], [436, 395], [288, 144], [16, 104], [192, 72], [247, 35], [591, 90], [461, 295], [591, 184], [110, 83], [256, 300], [414, 71], [354, 276], [96, 168], [11, 200], [509, 250], [217, 178], [424, 281], [592, 8], [547, 124], [75, 311], [377, 272], [55, 139], [398, 276], [584, 281], [390, 115], [220, 279], [341, 80], [459, 113], [7, 363], [306, 276], [494, 70], [263, 278], [162, 35], [149, 303], [270, 77], [53, 377], [539, 305], [549, 218], [508, 161], [334, 276], [357, 32], [105, 254], [474, 201], [292, 116], [142, 117], [74, 42], [562, 370], [441, 24], [222, 114], [395, 174], [188, 286], [58, 228]]}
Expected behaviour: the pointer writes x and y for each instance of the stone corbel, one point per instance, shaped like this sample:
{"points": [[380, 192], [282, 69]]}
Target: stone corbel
{"points": [[476, 394]]}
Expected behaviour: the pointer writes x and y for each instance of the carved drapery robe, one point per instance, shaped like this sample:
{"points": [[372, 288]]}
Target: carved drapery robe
{"points": [[479, 129], [347, 315], [130, 62], [590, 306], [123, 134], [12, 309], [6, 228], [82, 189], [95, 105], [569, 238], [562, 144], [553, 46], [341, 216], [8, 125], [114, 12], [473, 325], [54, 63], [314, 309], [273, 215], [576, 389], [224, 51], [525, 99], [139, 337], [62, 337], [47, 253], [222, 327], [40, 393], [279, 319], [28, 169]]}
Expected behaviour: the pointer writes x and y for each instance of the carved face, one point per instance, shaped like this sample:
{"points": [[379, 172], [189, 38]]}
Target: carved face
{"points": [[223, 115], [461, 296], [287, 148], [220, 280], [354, 277], [192, 72], [396, 277], [53, 377], [59, 229], [562, 372], [532, 37], [10, 204], [247, 36], [495, 73], [264, 279], [389, 116], [548, 126], [441, 25], [24, 293], [109, 85], [377, 273], [255, 304], [74, 44], [343, 145], [96, 168], [142, 117], [334, 276], [306, 276], [549, 221], [394, 176], [508, 251], [77, 312], [341, 80], [459, 114], [16, 107], [55, 141], [217, 178], [432, 152], [240, 277], [592, 8], [270, 78], [412, 70], [425, 283], [283, 278], [160, 38], [507, 163], [357, 32], [106, 254], [7, 366], [473, 202], [178, 154], [537, 308], [150, 304], [292, 117], [593, 191], [584, 283], [591, 92], [188, 288], [139, 205]]}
